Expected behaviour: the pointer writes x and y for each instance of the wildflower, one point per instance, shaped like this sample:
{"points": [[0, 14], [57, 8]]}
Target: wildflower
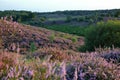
{"points": [[11, 74]]}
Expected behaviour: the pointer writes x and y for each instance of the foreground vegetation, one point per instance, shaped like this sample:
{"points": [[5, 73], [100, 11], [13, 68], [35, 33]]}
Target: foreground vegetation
{"points": [[102, 65]]}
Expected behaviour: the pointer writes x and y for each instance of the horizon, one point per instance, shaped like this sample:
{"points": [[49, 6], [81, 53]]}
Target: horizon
{"points": [[58, 5], [63, 10]]}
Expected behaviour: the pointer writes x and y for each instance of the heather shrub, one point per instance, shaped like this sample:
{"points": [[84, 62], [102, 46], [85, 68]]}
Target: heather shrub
{"points": [[94, 69], [0, 43], [89, 66], [0, 39], [70, 69], [19, 72], [112, 56], [103, 34], [55, 53], [7, 60]]}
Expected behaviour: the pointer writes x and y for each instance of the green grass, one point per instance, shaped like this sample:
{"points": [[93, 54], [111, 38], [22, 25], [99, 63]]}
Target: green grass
{"points": [[57, 19], [76, 30]]}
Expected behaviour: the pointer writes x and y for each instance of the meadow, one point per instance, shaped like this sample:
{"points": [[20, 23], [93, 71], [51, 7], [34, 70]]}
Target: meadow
{"points": [[76, 30]]}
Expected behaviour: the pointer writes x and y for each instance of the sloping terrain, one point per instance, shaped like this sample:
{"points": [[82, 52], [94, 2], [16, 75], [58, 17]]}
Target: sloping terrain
{"points": [[15, 35], [56, 56]]}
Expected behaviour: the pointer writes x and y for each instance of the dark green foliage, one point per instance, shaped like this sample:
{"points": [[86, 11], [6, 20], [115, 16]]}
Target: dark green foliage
{"points": [[19, 16], [117, 14], [80, 19], [60, 17], [68, 18], [103, 34]]}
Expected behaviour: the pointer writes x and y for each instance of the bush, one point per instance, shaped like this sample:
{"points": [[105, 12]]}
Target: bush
{"points": [[32, 47], [52, 37], [7, 60], [103, 34], [74, 39]]}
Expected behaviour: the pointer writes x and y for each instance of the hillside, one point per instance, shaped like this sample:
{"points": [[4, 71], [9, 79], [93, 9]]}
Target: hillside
{"points": [[72, 22], [15, 35], [51, 55]]}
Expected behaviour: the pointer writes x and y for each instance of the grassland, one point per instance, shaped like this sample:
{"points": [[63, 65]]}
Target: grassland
{"points": [[76, 30]]}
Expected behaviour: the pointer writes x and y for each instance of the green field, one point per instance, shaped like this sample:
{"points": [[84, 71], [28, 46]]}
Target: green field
{"points": [[56, 19], [77, 30]]}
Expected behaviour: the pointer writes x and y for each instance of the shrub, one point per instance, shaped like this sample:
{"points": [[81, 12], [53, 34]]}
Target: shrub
{"points": [[80, 19], [32, 47], [68, 18], [55, 53], [0, 43], [112, 56], [51, 37], [103, 34], [74, 39], [7, 60]]}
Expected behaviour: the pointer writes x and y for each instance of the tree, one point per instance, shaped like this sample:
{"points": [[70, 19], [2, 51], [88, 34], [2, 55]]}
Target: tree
{"points": [[104, 34], [42, 20], [68, 18], [117, 14]]}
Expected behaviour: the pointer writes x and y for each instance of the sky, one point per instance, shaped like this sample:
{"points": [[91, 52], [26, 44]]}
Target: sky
{"points": [[58, 5]]}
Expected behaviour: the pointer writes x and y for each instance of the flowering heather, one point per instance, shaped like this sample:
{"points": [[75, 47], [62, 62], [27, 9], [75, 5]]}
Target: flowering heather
{"points": [[14, 35], [57, 60], [87, 66]]}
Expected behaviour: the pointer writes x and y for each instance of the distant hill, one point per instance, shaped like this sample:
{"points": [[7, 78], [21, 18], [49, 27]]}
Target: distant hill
{"points": [[72, 22], [60, 17]]}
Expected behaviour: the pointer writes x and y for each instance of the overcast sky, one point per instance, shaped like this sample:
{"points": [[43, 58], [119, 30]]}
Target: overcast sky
{"points": [[58, 5]]}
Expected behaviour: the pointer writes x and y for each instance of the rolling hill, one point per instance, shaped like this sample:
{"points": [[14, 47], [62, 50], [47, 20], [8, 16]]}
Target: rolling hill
{"points": [[14, 35]]}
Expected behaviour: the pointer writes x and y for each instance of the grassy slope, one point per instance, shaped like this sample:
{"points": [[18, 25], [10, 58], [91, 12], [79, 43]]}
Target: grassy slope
{"points": [[77, 30]]}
